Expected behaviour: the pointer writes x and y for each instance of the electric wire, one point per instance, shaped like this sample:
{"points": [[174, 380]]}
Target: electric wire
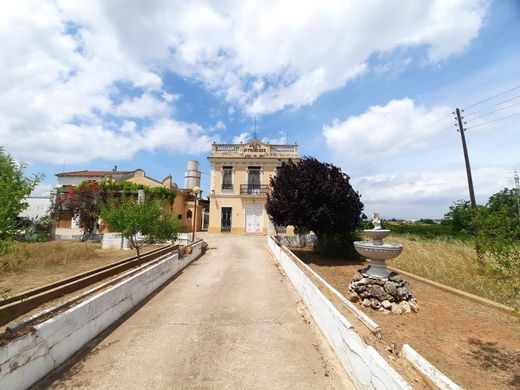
{"points": [[492, 97], [492, 106], [492, 112], [494, 120]]}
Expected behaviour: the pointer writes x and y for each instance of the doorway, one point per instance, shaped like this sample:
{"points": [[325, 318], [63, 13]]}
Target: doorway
{"points": [[225, 222]]}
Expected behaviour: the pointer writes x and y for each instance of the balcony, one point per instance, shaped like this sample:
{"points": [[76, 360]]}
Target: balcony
{"points": [[253, 189]]}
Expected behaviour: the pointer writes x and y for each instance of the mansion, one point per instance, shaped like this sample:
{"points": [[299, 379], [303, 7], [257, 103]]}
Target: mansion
{"points": [[240, 176]]}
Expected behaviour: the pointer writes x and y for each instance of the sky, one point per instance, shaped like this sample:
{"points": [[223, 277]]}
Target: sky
{"points": [[369, 86]]}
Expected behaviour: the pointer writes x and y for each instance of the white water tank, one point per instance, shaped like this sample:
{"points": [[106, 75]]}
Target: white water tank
{"points": [[192, 175]]}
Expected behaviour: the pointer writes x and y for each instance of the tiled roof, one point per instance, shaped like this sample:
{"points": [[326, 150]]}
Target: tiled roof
{"points": [[88, 173]]}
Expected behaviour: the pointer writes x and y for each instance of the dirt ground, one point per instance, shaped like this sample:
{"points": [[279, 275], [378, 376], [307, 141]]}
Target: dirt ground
{"points": [[476, 346], [37, 274]]}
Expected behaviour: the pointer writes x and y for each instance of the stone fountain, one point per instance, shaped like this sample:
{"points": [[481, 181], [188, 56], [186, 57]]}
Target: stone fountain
{"points": [[374, 286]]}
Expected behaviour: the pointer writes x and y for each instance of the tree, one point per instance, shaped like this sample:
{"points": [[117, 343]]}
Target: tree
{"points": [[14, 188], [506, 198], [84, 203], [315, 196], [141, 223], [460, 216]]}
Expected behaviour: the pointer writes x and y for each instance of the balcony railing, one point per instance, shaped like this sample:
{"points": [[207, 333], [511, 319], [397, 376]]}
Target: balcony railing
{"points": [[227, 186], [253, 189]]}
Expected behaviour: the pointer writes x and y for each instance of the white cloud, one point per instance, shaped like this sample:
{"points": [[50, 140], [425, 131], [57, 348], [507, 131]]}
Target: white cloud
{"points": [[66, 65], [142, 106], [280, 140], [427, 194], [220, 125], [242, 138], [385, 130]]}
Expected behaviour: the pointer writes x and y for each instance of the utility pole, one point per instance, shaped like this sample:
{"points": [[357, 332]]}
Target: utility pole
{"points": [[461, 130], [517, 185]]}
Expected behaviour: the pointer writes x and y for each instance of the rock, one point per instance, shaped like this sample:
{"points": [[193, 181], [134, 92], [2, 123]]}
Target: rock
{"points": [[353, 296], [386, 304], [366, 302], [405, 307], [395, 277], [375, 304], [375, 280], [403, 292], [391, 287], [396, 308], [379, 293], [364, 294], [357, 277], [413, 305]]}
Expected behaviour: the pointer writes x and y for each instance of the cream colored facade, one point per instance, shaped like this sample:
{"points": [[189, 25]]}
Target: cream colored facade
{"points": [[240, 176]]}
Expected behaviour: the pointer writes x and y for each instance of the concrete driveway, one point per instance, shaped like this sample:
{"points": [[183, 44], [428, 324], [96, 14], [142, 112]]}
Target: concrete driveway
{"points": [[229, 321]]}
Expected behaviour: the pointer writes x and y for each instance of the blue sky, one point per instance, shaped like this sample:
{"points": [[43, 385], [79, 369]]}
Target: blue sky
{"points": [[369, 87]]}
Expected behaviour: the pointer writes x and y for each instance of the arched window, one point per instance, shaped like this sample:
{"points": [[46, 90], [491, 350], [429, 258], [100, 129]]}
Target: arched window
{"points": [[189, 214]]}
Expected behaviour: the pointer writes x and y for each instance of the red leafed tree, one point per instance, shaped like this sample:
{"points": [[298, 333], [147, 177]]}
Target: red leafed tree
{"points": [[84, 203]]}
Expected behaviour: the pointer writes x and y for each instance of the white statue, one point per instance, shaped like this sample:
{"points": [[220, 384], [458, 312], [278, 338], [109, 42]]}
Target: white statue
{"points": [[376, 221]]}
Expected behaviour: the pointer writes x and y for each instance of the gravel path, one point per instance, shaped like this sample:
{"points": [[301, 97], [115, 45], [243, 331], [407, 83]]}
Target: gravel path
{"points": [[229, 321]]}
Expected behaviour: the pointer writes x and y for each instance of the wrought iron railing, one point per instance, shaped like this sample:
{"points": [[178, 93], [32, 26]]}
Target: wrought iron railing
{"points": [[253, 189], [227, 186]]}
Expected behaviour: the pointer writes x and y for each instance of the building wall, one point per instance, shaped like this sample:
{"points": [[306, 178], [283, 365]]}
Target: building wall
{"points": [[241, 157]]}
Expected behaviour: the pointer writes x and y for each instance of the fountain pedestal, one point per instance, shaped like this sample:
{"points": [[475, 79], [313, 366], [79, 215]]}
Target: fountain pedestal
{"points": [[374, 286]]}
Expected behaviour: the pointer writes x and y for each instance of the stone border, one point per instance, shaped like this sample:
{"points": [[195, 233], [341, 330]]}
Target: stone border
{"points": [[28, 358], [366, 320], [432, 374], [364, 365], [464, 294]]}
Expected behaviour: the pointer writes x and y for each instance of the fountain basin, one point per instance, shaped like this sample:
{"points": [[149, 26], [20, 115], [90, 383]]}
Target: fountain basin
{"points": [[378, 252], [376, 235]]}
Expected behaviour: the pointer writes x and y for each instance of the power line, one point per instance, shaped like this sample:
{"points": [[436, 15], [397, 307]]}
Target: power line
{"points": [[492, 97], [492, 106], [494, 120], [492, 112]]}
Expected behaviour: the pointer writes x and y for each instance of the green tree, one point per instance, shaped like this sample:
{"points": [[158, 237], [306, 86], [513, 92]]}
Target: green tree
{"points": [[506, 198], [142, 223], [14, 188], [316, 196], [460, 216]]}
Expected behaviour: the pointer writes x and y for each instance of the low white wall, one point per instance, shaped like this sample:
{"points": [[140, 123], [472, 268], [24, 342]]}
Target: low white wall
{"points": [[28, 358], [364, 365]]}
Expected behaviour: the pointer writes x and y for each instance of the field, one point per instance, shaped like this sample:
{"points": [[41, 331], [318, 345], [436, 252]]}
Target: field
{"points": [[36, 264], [453, 262]]}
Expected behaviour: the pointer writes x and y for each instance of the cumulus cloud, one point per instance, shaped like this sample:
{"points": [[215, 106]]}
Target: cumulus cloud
{"points": [[242, 138], [68, 67], [426, 194], [385, 130]]}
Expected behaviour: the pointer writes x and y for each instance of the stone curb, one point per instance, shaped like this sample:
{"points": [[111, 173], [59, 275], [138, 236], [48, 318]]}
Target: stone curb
{"points": [[28, 358], [366, 320], [432, 374]]}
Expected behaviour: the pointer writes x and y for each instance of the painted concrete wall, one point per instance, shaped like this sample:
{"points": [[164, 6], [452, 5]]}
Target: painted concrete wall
{"points": [[364, 365], [26, 359]]}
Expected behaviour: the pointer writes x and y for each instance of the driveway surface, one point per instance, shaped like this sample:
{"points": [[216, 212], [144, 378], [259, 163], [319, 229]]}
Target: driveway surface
{"points": [[230, 320]]}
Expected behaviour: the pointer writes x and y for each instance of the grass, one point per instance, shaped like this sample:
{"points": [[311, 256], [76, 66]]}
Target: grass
{"points": [[34, 264], [453, 263]]}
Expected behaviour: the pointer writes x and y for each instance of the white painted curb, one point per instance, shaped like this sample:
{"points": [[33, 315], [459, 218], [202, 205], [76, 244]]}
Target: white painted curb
{"points": [[26, 359], [366, 320], [431, 373], [363, 364]]}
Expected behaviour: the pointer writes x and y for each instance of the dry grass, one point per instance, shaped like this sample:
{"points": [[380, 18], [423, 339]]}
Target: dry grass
{"points": [[453, 263], [34, 264]]}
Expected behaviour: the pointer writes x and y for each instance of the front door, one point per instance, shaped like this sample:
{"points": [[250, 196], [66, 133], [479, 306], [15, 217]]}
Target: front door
{"points": [[225, 221], [254, 217]]}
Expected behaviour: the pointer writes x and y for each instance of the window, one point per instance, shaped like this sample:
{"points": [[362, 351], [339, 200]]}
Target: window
{"points": [[189, 214], [227, 178]]}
